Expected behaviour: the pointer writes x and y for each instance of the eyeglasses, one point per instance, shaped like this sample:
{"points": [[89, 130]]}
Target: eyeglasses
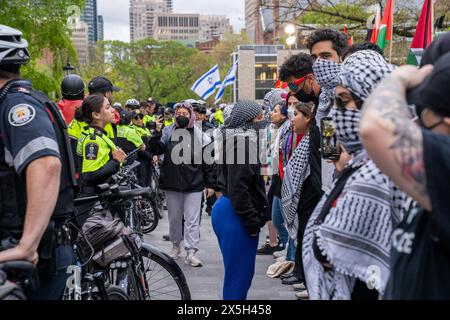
{"points": [[294, 86], [139, 117]]}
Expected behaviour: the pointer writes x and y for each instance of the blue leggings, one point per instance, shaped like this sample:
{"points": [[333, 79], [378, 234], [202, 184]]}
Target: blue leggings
{"points": [[238, 250]]}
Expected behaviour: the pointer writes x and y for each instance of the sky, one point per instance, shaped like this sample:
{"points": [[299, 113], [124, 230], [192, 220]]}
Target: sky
{"points": [[116, 14]]}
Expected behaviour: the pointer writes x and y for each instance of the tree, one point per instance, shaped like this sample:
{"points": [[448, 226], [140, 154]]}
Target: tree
{"points": [[44, 23], [148, 68]]}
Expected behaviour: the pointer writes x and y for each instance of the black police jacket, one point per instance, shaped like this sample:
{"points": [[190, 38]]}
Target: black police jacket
{"points": [[31, 127]]}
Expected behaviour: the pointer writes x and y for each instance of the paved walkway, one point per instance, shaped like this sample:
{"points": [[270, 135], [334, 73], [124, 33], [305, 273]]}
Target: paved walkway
{"points": [[205, 283]]}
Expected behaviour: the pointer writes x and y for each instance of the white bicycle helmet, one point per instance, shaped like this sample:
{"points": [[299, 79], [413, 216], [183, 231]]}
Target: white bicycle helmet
{"points": [[13, 48], [133, 103]]}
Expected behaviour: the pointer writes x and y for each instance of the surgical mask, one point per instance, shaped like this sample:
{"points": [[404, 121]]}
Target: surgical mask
{"points": [[291, 113], [182, 121], [305, 97], [347, 128], [326, 73]]}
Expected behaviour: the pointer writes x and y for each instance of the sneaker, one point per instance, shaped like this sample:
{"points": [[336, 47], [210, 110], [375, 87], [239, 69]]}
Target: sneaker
{"points": [[299, 286], [302, 295], [267, 249], [175, 252], [192, 260], [280, 259], [166, 237], [278, 254]]}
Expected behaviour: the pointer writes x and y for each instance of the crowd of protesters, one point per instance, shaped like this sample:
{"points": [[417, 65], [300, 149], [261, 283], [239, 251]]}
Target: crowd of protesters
{"points": [[368, 223]]}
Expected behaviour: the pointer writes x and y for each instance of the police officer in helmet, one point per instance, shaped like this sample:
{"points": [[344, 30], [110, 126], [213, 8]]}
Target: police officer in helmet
{"points": [[36, 173]]}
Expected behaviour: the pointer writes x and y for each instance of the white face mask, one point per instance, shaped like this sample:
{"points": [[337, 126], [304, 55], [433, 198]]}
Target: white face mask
{"points": [[291, 114]]}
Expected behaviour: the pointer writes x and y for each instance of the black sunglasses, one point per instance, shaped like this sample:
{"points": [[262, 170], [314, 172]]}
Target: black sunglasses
{"points": [[139, 117]]}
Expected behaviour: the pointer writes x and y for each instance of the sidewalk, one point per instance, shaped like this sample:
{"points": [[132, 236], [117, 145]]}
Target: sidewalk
{"points": [[205, 283]]}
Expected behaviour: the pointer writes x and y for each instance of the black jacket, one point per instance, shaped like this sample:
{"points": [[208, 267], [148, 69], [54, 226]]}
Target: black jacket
{"points": [[184, 177], [244, 185]]}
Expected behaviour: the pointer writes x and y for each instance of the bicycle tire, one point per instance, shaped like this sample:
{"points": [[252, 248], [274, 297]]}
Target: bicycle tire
{"points": [[159, 289], [150, 227], [115, 293]]}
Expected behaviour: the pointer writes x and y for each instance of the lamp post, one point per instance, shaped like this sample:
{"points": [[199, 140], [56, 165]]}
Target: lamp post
{"points": [[291, 39], [68, 69]]}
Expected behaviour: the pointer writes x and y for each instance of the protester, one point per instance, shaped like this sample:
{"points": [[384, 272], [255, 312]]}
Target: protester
{"points": [[184, 180], [348, 238], [416, 158], [239, 214]]}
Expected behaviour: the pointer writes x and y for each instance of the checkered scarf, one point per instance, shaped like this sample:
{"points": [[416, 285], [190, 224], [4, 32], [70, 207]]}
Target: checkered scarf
{"points": [[326, 73], [295, 174], [355, 236], [362, 71], [241, 117]]}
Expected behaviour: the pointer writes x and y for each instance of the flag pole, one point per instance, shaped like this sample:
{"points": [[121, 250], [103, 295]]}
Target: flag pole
{"points": [[392, 31]]}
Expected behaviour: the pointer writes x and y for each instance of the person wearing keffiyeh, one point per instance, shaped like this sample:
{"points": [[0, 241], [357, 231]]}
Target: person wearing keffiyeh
{"points": [[239, 214], [347, 240]]}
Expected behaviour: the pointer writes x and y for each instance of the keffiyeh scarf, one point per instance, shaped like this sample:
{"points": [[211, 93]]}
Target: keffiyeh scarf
{"points": [[355, 236], [295, 174], [326, 73]]}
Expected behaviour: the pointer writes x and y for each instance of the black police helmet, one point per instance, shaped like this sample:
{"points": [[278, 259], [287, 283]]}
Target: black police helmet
{"points": [[125, 117], [72, 87]]}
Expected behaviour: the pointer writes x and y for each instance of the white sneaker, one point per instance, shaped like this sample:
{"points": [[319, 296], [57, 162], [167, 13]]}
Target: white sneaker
{"points": [[192, 260], [302, 295], [299, 286], [175, 252], [278, 254], [281, 259]]}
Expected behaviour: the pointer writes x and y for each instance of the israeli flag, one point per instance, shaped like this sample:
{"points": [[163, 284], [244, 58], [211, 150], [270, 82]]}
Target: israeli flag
{"points": [[228, 81], [208, 83]]}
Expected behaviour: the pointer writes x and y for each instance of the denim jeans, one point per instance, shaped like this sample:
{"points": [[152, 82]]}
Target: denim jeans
{"points": [[278, 222]]}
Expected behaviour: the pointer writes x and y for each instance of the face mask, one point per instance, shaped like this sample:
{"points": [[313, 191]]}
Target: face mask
{"points": [[302, 96], [291, 113], [326, 73], [182, 121], [347, 128]]}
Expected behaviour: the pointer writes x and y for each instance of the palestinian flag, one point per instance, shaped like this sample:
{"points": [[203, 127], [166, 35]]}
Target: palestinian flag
{"points": [[385, 34], [376, 26], [424, 34]]}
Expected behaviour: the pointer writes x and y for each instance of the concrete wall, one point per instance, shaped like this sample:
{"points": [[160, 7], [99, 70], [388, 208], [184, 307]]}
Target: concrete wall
{"points": [[246, 75]]}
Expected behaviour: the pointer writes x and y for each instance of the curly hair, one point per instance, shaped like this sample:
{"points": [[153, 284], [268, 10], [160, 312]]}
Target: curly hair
{"points": [[361, 46], [337, 38], [297, 66]]}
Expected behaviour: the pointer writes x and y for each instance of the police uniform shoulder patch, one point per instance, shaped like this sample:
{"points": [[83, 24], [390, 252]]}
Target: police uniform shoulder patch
{"points": [[21, 115], [91, 151]]}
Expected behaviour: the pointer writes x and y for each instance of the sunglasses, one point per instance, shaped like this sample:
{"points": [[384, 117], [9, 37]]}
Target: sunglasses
{"points": [[139, 117], [294, 86]]}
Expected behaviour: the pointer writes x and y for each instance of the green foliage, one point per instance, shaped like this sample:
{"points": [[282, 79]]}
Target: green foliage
{"points": [[148, 68], [341, 10], [44, 24]]}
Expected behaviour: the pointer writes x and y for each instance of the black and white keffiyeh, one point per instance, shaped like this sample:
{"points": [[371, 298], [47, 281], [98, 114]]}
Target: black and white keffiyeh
{"points": [[326, 73], [241, 118], [295, 174], [362, 71], [355, 236]]}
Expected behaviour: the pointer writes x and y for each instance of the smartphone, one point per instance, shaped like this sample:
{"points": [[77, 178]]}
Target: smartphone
{"points": [[330, 145], [152, 125]]}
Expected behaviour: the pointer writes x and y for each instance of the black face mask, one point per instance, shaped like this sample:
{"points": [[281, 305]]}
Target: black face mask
{"points": [[182, 121], [305, 97]]}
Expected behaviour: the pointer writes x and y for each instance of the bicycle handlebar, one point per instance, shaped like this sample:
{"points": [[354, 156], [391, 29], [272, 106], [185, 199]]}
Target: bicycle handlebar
{"points": [[114, 193], [127, 194]]}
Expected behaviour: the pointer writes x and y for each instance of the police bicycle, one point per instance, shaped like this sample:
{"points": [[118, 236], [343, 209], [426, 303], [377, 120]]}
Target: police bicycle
{"points": [[143, 274], [16, 277]]}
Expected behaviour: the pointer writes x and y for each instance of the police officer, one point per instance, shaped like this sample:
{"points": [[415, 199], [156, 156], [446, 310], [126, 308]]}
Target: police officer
{"points": [[101, 158], [36, 173], [72, 89], [128, 139]]}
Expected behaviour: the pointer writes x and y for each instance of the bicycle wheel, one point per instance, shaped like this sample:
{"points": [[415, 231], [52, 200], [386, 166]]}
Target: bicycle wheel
{"points": [[149, 216], [164, 277], [115, 293]]}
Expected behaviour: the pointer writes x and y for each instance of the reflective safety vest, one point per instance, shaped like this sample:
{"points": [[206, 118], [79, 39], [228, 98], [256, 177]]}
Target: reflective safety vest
{"points": [[148, 119], [144, 133], [168, 122], [130, 134], [96, 150], [76, 128]]}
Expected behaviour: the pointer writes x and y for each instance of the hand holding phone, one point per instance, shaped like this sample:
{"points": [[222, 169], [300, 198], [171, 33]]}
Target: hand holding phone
{"points": [[330, 145]]}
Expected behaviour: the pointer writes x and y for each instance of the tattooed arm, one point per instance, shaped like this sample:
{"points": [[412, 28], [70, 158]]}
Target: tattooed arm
{"points": [[394, 142]]}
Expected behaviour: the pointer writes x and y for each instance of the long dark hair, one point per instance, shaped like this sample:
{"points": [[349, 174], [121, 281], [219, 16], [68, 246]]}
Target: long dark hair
{"points": [[93, 103]]}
